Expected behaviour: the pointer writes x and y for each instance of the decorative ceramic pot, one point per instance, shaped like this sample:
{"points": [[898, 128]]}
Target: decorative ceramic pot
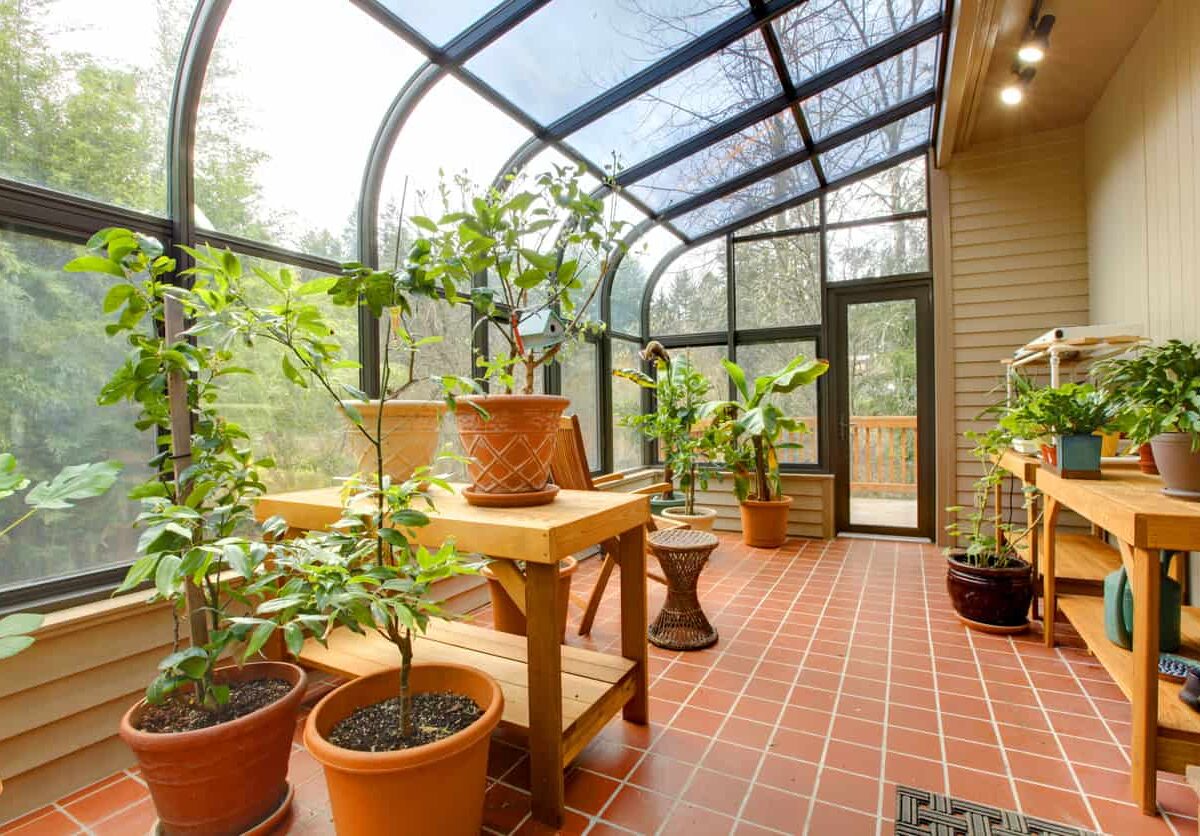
{"points": [[1178, 464], [764, 524], [510, 446], [410, 433], [658, 504], [507, 618], [431, 790], [702, 520], [1077, 456], [230, 778], [992, 600], [1118, 609]]}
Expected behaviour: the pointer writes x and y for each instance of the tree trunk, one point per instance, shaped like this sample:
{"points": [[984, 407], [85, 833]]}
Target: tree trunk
{"points": [[406, 654], [760, 471]]}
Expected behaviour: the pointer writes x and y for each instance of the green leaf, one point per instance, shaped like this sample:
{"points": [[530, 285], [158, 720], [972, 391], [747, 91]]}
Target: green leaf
{"points": [[94, 264], [116, 296], [293, 637], [289, 371], [80, 481], [258, 638], [18, 624], [11, 479], [424, 223], [166, 576], [315, 286], [737, 376]]}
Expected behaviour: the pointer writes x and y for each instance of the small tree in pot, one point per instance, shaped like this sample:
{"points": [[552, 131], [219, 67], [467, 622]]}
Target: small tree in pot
{"points": [[1158, 392], [545, 243], [750, 431], [196, 512]]}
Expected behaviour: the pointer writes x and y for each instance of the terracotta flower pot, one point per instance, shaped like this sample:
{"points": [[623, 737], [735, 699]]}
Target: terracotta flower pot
{"points": [[1146, 460], [410, 435], [764, 524], [702, 520], [224, 779], [510, 449], [508, 619], [993, 600], [431, 790], [1178, 464]]}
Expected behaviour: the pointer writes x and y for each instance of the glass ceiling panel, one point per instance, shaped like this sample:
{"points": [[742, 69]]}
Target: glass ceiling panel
{"points": [[765, 193], [630, 281], [795, 217], [821, 33], [888, 141], [892, 192], [873, 91], [721, 86], [260, 173], [720, 162], [548, 74], [439, 22]]}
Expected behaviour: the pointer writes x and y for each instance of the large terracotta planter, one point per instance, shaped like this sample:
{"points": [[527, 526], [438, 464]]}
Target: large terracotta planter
{"points": [[510, 449], [508, 619], [991, 600], [1178, 464], [432, 790], [764, 524], [410, 433], [702, 520], [224, 779]]}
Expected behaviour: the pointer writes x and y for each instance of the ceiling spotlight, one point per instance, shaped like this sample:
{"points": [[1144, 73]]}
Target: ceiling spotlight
{"points": [[1013, 93], [1037, 41]]}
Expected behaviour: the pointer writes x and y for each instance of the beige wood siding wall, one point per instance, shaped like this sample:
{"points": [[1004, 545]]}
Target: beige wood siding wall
{"points": [[1143, 181], [1018, 263]]}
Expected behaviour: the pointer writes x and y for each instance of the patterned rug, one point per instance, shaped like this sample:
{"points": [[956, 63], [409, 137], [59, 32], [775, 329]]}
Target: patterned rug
{"points": [[924, 813]]}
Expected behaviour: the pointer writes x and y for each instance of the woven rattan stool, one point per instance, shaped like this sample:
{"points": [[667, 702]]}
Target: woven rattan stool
{"points": [[682, 553]]}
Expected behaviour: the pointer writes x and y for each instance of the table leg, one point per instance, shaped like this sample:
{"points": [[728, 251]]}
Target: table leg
{"points": [[634, 644], [1146, 603], [545, 693], [1049, 601], [1035, 555]]}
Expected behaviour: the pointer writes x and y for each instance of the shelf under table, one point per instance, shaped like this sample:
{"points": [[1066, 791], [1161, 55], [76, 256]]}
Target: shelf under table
{"points": [[595, 685], [1178, 725]]}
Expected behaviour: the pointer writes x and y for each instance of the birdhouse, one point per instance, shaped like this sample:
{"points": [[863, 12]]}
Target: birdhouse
{"points": [[541, 330]]}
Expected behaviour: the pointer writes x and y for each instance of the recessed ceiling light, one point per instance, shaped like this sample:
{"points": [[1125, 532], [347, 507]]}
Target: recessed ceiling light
{"points": [[1012, 95]]}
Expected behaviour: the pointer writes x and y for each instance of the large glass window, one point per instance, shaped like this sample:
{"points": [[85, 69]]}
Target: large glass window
{"points": [[282, 140], [84, 92], [629, 282], [626, 400], [56, 358], [885, 249], [580, 370], [778, 281], [878, 145], [690, 295], [895, 191]]}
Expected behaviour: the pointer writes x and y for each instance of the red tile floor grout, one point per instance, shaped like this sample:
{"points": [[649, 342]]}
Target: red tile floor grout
{"points": [[841, 671]]}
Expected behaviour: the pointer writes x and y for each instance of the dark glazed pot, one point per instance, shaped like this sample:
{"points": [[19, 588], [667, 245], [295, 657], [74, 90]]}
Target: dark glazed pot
{"points": [[224, 779], [989, 597]]}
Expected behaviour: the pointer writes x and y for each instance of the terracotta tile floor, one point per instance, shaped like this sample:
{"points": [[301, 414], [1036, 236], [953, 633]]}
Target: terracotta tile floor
{"points": [[841, 670]]}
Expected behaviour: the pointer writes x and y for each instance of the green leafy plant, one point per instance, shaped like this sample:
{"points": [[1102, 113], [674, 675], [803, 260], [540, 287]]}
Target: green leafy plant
{"points": [[988, 540], [679, 396], [71, 484], [197, 509], [748, 430], [1156, 390], [544, 242], [1070, 409]]}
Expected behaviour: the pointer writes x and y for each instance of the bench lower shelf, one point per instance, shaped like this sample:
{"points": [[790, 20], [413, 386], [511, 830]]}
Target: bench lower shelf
{"points": [[1178, 725], [595, 686]]}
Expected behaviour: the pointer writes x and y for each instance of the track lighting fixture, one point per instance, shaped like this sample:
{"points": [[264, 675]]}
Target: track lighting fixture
{"points": [[1037, 39], [1013, 93]]}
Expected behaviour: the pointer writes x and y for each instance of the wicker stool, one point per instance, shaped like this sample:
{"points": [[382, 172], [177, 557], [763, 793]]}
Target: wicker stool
{"points": [[682, 553]]}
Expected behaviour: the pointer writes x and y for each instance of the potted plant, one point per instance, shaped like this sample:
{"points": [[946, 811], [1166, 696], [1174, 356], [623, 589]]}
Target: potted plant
{"points": [[679, 392], [1158, 389], [990, 584], [748, 432], [416, 736], [212, 742], [545, 243], [1070, 415]]}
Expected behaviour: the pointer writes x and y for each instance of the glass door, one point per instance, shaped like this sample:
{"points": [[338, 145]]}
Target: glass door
{"points": [[882, 379]]}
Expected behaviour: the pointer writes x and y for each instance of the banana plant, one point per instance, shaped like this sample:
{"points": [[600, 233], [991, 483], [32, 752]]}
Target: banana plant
{"points": [[71, 484]]}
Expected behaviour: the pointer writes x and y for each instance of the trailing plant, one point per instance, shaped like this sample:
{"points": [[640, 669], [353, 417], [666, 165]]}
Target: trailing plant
{"points": [[679, 395], [544, 242], [71, 484], [989, 540], [1157, 390], [197, 508], [748, 431], [366, 573], [1069, 409]]}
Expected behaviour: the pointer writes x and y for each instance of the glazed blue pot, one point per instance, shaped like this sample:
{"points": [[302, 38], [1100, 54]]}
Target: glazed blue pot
{"points": [[1079, 455]]}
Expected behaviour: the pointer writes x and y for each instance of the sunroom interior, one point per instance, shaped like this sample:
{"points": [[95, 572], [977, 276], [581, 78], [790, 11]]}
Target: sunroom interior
{"points": [[964, 208]]}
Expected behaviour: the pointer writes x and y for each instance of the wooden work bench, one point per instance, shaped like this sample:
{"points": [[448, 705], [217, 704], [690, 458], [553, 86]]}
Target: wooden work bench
{"points": [[560, 697], [1133, 510]]}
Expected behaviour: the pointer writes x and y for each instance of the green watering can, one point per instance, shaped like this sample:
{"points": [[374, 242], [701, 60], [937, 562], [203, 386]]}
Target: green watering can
{"points": [[1118, 609]]}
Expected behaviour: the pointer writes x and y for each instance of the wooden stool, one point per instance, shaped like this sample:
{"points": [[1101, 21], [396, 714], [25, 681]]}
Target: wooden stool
{"points": [[682, 625]]}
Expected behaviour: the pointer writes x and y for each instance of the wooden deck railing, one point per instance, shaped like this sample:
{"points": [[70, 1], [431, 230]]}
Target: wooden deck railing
{"points": [[883, 453]]}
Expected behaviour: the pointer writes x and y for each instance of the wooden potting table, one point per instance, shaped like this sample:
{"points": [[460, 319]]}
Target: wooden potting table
{"points": [[1133, 510], [559, 696]]}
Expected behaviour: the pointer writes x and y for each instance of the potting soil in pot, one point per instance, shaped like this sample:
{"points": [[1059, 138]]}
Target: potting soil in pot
{"points": [[181, 713], [376, 728]]}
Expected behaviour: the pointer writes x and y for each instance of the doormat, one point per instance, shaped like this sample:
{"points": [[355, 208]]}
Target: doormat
{"points": [[923, 813]]}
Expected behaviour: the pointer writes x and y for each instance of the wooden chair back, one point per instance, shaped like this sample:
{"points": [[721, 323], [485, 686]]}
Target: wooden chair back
{"points": [[569, 465]]}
